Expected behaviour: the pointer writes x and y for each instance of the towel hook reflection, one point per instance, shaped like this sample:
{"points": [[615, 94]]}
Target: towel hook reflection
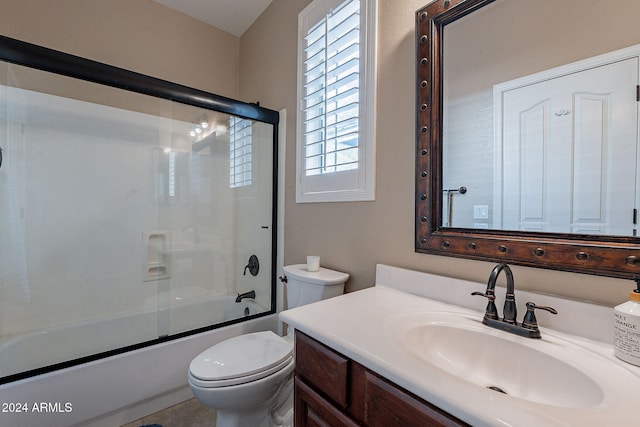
{"points": [[461, 190]]}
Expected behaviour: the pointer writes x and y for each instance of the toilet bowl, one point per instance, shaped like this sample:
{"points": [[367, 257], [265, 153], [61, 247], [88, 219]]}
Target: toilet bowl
{"points": [[248, 379], [244, 378]]}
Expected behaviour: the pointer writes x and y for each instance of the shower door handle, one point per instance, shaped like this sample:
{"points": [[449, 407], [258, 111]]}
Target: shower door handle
{"points": [[0, 157], [253, 266]]}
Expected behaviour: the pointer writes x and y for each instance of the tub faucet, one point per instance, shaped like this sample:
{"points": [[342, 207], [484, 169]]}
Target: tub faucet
{"points": [[528, 327], [250, 294]]}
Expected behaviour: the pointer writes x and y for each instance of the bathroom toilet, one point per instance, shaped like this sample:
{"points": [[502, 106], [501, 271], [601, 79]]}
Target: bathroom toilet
{"points": [[248, 379]]}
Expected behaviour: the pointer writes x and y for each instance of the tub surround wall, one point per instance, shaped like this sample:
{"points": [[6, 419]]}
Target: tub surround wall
{"points": [[147, 35], [120, 215]]}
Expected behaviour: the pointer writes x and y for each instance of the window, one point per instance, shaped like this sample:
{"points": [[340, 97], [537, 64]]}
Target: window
{"points": [[172, 174], [336, 95], [239, 152]]}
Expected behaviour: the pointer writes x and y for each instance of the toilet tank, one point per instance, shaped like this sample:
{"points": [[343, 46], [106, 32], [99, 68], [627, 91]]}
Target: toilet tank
{"points": [[305, 287]]}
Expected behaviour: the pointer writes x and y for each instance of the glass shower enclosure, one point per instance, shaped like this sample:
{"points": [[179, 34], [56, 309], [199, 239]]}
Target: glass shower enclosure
{"points": [[132, 210]]}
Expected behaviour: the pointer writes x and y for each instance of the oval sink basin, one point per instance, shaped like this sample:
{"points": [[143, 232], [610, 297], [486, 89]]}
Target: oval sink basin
{"points": [[531, 369]]}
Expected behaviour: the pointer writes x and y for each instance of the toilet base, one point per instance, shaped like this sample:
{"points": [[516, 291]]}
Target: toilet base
{"points": [[243, 419], [281, 416]]}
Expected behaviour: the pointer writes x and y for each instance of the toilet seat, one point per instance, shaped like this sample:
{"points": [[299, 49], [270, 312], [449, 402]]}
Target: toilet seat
{"points": [[241, 359]]}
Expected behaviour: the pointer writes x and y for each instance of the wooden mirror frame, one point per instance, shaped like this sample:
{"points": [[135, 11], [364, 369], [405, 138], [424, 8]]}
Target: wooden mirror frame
{"points": [[601, 255]]}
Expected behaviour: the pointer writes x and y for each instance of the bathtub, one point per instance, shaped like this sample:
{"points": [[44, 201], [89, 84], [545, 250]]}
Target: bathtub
{"points": [[121, 388]]}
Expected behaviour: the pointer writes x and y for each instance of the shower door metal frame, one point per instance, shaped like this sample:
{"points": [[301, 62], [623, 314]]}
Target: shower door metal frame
{"points": [[33, 56]]}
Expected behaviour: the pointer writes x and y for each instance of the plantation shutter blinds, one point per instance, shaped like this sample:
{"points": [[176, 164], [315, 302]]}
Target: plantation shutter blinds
{"points": [[332, 91], [336, 95]]}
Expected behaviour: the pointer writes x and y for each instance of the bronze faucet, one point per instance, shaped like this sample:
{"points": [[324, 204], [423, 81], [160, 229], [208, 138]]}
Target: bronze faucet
{"points": [[529, 326], [250, 294]]}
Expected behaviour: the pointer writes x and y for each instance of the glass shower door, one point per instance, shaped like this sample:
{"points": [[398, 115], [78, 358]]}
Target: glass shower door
{"points": [[215, 191], [124, 219], [74, 186]]}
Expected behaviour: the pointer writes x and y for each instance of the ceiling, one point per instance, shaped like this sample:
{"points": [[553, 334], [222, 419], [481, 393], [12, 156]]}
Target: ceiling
{"points": [[233, 16]]}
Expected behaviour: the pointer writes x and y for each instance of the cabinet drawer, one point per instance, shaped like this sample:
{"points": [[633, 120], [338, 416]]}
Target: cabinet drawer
{"points": [[312, 410], [322, 368], [386, 405]]}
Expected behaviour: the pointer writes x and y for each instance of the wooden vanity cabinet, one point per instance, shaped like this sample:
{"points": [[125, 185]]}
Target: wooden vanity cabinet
{"points": [[332, 390]]}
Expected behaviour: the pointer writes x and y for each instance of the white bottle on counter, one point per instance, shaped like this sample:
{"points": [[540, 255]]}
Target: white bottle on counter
{"points": [[626, 330]]}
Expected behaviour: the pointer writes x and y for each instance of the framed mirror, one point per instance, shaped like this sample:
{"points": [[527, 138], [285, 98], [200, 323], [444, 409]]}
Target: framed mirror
{"points": [[507, 168]]}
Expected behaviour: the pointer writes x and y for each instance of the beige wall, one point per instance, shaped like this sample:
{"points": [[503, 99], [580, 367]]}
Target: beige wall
{"points": [[353, 237], [139, 35]]}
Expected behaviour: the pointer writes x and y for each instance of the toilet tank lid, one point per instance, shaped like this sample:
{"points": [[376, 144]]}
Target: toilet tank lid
{"points": [[322, 277]]}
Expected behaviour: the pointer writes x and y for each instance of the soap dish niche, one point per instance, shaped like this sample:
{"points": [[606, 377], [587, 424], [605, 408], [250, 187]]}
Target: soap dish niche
{"points": [[156, 260]]}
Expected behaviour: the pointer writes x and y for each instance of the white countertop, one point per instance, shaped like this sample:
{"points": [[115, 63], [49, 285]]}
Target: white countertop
{"points": [[357, 325]]}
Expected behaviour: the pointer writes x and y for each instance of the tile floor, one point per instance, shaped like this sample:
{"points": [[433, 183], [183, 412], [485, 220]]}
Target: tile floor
{"points": [[189, 413]]}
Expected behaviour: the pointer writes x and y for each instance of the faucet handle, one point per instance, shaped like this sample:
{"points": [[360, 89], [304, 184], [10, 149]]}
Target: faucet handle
{"points": [[482, 294], [530, 321], [491, 312]]}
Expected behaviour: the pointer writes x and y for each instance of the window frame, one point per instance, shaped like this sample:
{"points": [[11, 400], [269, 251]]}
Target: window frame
{"points": [[356, 184]]}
